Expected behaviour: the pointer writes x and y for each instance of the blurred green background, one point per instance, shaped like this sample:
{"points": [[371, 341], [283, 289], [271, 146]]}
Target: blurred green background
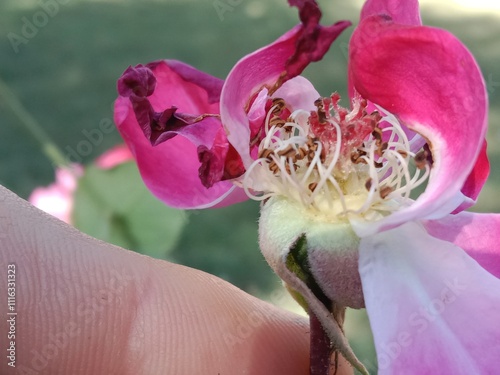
{"points": [[65, 74]]}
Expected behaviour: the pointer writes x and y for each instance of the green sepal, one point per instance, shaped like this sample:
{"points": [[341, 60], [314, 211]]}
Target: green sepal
{"points": [[297, 261]]}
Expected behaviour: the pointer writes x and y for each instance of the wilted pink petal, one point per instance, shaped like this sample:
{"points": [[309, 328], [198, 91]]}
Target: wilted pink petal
{"points": [[477, 234], [313, 39], [270, 67], [220, 162], [113, 157], [411, 79], [432, 308], [161, 110], [171, 168], [138, 81], [57, 198]]}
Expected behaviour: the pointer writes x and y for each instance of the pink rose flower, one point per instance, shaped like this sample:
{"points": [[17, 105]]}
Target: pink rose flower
{"points": [[339, 219]]}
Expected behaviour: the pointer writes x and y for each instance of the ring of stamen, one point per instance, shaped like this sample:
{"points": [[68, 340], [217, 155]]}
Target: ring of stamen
{"points": [[337, 162]]}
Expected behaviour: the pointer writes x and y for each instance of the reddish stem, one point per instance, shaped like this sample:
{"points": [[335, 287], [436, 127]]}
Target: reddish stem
{"points": [[321, 349]]}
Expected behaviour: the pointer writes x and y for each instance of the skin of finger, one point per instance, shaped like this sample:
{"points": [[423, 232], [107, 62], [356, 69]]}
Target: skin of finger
{"points": [[87, 307]]}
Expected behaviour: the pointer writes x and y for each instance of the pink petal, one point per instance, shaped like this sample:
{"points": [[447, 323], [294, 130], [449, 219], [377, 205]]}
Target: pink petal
{"points": [[432, 308], [403, 12], [298, 93], [167, 99], [189, 89], [431, 82], [257, 113], [171, 168], [114, 157], [270, 67], [477, 234], [476, 179]]}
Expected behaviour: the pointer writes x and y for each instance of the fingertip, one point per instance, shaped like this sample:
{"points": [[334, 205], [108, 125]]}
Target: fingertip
{"points": [[215, 327]]}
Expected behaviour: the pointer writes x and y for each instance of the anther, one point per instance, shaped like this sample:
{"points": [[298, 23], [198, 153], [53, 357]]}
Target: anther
{"points": [[278, 105], [376, 116], [288, 152], [377, 134], [277, 121], [312, 186], [368, 184], [421, 159], [311, 142], [356, 156], [265, 153], [385, 191], [319, 103], [274, 167], [288, 169], [301, 154], [311, 154], [382, 148]]}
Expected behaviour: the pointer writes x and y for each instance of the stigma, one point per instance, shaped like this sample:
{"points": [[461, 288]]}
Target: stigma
{"points": [[336, 162]]}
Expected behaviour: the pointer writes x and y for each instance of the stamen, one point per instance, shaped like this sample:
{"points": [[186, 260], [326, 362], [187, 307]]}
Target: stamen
{"points": [[336, 161]]}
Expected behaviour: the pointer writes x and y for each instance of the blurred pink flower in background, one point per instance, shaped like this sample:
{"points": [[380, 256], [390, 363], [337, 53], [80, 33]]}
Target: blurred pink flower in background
{"points": [[57, 198], [113, 157]]}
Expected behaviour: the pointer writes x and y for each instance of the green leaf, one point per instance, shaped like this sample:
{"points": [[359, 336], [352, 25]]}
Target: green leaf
{"points": [[115, 206]]}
